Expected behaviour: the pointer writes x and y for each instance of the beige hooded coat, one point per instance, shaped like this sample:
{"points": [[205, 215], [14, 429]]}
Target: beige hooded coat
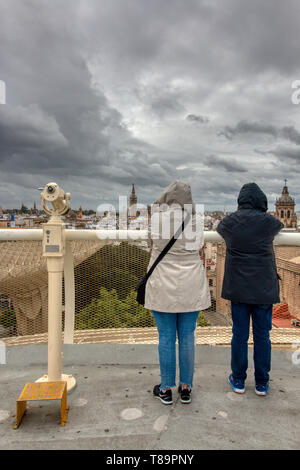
{"points": [[178, 283]]}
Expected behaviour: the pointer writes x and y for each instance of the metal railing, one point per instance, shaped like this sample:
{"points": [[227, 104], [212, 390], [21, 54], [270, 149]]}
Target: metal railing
{"points": [[101, 268], [283, 238]]}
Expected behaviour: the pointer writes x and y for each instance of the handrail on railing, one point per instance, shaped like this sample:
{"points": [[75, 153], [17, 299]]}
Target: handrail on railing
{"points": [[283, 238]]}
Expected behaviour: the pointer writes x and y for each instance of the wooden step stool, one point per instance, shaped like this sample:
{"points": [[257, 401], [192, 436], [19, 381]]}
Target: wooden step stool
{"points": [[43, 391]]}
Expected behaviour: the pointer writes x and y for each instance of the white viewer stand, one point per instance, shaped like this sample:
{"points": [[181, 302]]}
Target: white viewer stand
{"points": [[54, 243]]}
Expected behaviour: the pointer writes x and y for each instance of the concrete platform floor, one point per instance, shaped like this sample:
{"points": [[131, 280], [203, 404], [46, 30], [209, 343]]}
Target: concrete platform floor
{"points": [[113, 408]]}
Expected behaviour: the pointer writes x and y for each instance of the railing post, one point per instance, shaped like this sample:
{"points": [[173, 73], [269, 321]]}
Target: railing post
{"points": [[55, 268], [69, 295]]}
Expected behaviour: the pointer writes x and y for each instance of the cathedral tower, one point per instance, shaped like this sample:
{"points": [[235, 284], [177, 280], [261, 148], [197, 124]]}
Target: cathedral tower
{"points": [[132, 203], [285, 209]]}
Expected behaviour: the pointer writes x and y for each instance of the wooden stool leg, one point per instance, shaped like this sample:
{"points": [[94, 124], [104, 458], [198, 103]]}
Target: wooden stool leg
{"points": [[21, 408], [64, 408]]}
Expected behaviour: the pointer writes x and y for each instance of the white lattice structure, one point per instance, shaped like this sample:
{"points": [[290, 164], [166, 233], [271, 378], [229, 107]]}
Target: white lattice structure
{"points": [[24, 279]]}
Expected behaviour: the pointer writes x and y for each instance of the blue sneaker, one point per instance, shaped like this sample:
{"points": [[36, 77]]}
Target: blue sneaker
{"points": [[238, 386], [262, 390]]}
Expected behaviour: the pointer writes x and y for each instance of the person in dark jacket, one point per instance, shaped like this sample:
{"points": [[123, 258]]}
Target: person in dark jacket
{"points": [[250, 283]]}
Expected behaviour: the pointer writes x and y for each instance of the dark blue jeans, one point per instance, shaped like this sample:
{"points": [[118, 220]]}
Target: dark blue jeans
{"points": [[261, 324]]}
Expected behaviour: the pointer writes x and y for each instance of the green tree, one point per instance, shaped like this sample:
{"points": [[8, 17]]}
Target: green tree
{"points": [[108, 311], [105, 289], [202, 320], [113, 267], [103, 312], [24, 209], [8, 318], [139, 316]]}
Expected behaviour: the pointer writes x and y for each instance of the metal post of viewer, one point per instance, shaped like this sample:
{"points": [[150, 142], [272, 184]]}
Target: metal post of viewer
{"points": [[54, 242]]}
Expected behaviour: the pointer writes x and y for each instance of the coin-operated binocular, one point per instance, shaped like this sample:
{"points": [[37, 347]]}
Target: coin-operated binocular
{"points": [[59, 199], [54, 249], [54, 230]]}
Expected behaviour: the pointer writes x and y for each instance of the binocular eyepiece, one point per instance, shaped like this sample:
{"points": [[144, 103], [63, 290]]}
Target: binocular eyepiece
{"points": [[60, 200]]}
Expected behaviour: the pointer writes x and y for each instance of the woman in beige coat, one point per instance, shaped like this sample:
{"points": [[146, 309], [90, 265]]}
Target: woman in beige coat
{"points": [[177, 289]]}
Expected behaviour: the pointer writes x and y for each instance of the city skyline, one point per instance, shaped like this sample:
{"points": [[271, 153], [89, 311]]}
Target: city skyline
{"points": [[223, 209]]}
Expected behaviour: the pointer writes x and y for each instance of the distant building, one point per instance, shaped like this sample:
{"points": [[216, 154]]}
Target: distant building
{"points": [[209, 256], [71, 215], [217, 214], [288, 268], [4, 223], [132, 211], [285, 209], [34, 211]]}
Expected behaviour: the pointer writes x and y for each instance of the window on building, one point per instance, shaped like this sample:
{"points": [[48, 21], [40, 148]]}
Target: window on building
{"points": [[282, 214], [288, 214]]}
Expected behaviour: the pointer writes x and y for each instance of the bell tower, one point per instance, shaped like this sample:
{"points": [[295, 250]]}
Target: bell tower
{"points": [[285, 208], [133, 198], [132, 203]]}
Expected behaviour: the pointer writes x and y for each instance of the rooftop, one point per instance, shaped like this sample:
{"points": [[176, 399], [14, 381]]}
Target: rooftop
{"points": [[106, 412]]}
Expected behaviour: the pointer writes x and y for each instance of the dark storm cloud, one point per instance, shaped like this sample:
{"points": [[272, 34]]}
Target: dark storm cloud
{"points": [[139, 167], [246, 127], [197, 118], [72, 130], [29, 129], [254, 127], [83, 79], [162, 101], [261, 36], [290, 133], [229, 164], [288, 152]]}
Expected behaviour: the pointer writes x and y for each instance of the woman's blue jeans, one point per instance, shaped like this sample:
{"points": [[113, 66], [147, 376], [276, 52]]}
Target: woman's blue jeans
{"points": [[261, 325], [168, 325]]}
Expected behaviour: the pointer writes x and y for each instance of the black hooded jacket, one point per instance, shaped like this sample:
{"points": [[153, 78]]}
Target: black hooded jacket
{"points": [[250, 267]]}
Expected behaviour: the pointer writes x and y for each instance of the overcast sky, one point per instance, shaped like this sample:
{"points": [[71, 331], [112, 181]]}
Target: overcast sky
{"points": [[104, 93]]}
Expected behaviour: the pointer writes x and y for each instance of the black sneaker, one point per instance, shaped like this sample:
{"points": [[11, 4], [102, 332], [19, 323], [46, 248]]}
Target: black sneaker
{"points": [[165, 396], [185, 394]]}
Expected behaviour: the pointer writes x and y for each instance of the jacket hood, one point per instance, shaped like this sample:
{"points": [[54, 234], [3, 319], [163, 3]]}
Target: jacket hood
{"points": [[178, 193], [252, 197]]}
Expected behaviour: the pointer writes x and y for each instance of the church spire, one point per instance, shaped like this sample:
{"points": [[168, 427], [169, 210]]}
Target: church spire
{"points": [[133, 198], [285, 188], [132, 203]]}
